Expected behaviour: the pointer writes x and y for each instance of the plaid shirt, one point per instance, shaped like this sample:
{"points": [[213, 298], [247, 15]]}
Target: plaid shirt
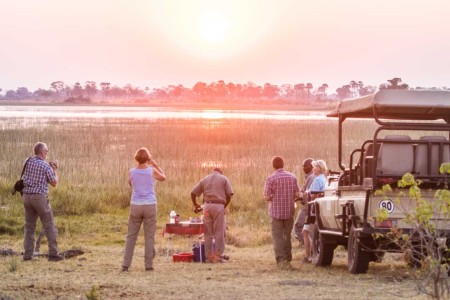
{"points": [[281, 186], [37, 175]]}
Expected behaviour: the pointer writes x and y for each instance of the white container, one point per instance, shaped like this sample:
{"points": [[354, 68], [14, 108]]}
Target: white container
{"points": [[172, 216]]}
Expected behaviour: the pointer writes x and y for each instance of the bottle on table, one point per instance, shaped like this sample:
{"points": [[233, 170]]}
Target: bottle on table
{"points": [[172, 216]]}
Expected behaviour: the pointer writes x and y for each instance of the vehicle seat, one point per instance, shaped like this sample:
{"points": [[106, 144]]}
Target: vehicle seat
{"points": [[395, 158], [421, 157], [368, 159]]}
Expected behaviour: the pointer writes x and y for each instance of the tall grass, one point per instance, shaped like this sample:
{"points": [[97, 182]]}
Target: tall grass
{"points": [[95, 155]]}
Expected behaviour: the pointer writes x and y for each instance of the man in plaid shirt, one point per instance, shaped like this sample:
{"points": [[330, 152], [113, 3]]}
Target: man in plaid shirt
{"points": [[280, 191], [37, 175]]}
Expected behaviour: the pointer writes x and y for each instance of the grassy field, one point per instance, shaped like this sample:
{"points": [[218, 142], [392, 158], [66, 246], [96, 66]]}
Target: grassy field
{"points": [[92, 198]]}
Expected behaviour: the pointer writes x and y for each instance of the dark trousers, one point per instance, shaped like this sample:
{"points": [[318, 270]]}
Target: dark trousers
{"points": [[281, 235]]}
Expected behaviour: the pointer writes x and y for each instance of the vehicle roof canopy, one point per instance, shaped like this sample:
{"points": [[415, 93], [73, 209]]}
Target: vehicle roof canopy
{"points": [[398, 104]]}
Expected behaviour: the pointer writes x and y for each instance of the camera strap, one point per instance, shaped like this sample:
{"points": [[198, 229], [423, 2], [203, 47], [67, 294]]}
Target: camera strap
{"points": [[21, 175]]}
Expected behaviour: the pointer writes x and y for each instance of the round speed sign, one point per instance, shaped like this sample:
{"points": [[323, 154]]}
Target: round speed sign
{"points": [[388, 205]]}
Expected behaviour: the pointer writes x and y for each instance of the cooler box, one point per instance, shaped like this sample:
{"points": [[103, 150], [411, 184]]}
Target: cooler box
{"points": [[196, 251]]}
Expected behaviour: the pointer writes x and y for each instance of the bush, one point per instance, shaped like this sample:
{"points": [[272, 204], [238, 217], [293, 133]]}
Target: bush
{"points": [[78, 100], [427, 245]]}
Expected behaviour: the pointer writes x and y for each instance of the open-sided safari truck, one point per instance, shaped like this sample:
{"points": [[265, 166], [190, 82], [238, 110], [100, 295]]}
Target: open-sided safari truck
{"points": [[346, 215]]}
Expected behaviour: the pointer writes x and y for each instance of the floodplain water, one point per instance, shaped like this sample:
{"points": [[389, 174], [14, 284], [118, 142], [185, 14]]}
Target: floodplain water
{"points": [[133, 112]]}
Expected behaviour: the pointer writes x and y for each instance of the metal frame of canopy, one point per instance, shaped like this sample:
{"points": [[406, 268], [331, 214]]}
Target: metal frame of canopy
{"points": [[388, 107]]}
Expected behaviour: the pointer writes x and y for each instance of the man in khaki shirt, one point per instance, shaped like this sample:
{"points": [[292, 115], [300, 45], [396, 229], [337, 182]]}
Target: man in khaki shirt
{"points": [[217, 192]]}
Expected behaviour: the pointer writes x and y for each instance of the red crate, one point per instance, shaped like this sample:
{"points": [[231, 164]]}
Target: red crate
{"points": [[183, 257]]}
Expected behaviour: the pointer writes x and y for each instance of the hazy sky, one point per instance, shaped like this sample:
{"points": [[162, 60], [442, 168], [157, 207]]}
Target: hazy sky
{"points": [[157, 43]]}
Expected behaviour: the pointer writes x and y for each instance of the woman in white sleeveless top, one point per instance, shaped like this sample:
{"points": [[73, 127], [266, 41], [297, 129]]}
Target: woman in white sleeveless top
{"points": [[143, 207]]}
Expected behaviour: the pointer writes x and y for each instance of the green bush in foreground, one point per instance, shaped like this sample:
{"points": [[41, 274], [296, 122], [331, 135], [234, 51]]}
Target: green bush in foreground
{"points": [[427, 244]]}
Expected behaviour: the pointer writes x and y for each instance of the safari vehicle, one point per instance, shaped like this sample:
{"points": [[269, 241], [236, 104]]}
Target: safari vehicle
{"points": [[346, 215]]}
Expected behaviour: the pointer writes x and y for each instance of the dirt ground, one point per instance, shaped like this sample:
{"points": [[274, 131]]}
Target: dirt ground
{"points": [[250, 274]]}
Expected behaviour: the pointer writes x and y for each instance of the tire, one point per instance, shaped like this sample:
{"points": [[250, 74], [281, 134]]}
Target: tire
{"points": [[358, 260], [325, 251]]}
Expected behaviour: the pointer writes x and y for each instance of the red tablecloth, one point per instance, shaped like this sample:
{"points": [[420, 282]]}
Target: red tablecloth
{"points": [[184, 229]]}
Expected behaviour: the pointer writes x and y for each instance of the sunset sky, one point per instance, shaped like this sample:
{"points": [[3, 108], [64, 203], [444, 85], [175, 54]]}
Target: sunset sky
{"points": [[157, 43]]}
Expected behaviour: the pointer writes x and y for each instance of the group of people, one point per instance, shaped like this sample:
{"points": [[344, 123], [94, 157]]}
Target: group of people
{"points": [[281, 191]]}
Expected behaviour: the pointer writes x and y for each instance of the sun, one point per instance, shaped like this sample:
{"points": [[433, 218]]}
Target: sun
{"points": [[214, 26], [211, 29]]}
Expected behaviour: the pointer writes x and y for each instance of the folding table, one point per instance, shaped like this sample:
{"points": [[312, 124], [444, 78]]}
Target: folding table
{"points": [[184, 228]]}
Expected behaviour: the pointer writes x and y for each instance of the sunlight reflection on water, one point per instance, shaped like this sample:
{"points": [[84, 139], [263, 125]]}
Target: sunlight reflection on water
{"points": [[99, 112]]}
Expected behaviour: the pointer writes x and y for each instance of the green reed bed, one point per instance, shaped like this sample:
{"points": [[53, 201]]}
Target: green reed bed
{"points": [[95, 155]]}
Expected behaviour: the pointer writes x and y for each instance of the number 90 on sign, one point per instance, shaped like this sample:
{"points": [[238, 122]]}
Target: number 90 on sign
{"points": [[388, 205]]}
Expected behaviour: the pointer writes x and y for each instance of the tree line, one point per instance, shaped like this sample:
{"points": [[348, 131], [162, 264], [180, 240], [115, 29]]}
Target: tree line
{"points": [[200, 92]]}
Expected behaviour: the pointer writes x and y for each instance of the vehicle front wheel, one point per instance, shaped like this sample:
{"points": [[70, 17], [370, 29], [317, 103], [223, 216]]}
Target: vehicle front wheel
{"points": [[358, 259], [325, 251]]}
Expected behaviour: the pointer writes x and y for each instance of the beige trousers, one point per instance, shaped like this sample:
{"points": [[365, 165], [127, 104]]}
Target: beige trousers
{"points": [[214, 222], [37, 205], [139, 214]]}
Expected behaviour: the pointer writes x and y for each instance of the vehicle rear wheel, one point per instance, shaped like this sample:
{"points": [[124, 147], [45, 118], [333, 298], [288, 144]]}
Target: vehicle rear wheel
{"points": [[358, 259], [325, 251]]}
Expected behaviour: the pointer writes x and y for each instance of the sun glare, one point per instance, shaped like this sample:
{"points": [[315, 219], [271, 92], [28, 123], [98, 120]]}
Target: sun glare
{"points": [[213, 29], [213, 26]]}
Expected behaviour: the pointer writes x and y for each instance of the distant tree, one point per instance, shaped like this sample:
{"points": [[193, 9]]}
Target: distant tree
{"points": [[66, 90], [128, 88], [394, 83], [117, 92], [299, 90], [199, 90], [221, 89], [23, 93], [90, 89], [41, 93], [354, 89], [344, 92], [367, 90], [309, 87], [239, 91], [105, 87], [10, 95], [159, 94], [210, 90], [58, 86], [287, 91], [231, 90], [77, 90], [133, 92], [175, 91], [252, 91], [270, 91], [322, 91], [354, 84], [360, 85]]}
